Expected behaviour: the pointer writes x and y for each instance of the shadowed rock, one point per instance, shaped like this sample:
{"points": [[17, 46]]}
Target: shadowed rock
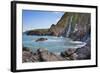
{"points": [[29, 57], [84, 52], [69, 54], [41, 39], [48, 56]]}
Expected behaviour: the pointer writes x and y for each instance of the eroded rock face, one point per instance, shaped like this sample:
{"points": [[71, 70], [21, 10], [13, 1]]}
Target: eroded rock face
{"points": [[79, 26]]}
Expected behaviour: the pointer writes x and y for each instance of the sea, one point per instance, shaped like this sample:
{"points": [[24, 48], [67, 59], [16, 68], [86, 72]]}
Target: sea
{"points": [[52, 44]]}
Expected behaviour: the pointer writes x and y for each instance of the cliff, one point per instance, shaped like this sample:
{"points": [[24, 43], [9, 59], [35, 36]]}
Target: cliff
{"points": [[55, 29], [71, 25]]}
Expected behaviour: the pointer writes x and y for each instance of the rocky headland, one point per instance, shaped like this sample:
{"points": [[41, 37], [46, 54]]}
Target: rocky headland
{"points": [[41, 39]]}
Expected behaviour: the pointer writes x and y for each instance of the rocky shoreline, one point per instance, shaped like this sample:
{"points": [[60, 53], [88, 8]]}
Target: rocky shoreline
{"points": [[43, 55]]}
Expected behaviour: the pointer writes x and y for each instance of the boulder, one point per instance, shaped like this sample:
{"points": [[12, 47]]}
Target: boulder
{"points": [[29, 56], [40, 55], [48, 56], [26, 49], [84, 52], [26, 56], [73, 56], [68, 52], [41, 39]]}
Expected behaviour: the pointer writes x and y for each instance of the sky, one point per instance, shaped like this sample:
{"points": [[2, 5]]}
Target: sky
{"points": [[39, 19]]}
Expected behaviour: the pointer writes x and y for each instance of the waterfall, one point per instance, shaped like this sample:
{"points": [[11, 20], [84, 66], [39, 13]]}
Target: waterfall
{"points": [[68, 30]]}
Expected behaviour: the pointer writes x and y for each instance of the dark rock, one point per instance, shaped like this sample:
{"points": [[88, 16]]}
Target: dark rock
{"points": [[41, 50], [26, 49], [41, 39], [29, 56], [82, 27], [26, 56], [84, 52], [40, 55], [38, 32], [70, 51], [63, 54], [48, 56], [73, 56], [69, 54]]}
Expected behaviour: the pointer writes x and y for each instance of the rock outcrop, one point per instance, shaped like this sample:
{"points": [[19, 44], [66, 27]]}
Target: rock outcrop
{"points": [[69, 54], [41, 55], [48, 56], [38, 32], [85, 51], [41, 39], [29, 56]]}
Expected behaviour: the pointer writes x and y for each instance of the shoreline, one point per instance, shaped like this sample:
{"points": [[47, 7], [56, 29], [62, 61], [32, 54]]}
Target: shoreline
{"points": [[43, 55]]}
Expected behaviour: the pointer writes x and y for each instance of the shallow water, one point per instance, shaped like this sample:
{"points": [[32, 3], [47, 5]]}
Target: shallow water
{"points": [[53, 44]]}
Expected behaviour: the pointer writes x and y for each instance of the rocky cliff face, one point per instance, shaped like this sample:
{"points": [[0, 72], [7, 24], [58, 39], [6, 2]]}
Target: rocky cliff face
{"points": [[60, 26], [78, 27], [74, 25]]}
